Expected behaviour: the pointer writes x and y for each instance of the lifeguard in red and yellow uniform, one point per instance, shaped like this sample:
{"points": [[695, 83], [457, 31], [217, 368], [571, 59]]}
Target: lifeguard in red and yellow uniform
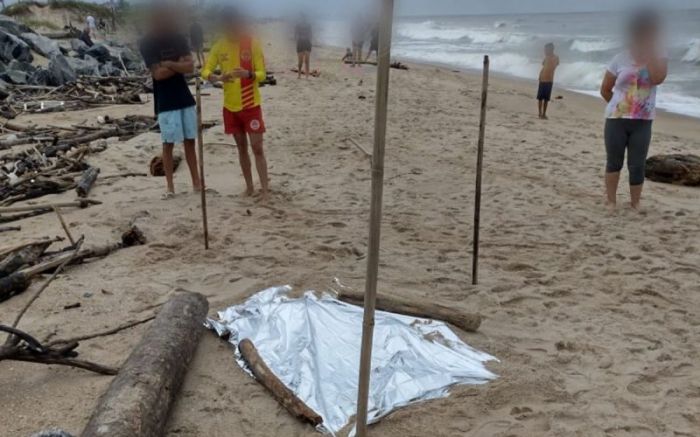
{"points": [[239, 58]]}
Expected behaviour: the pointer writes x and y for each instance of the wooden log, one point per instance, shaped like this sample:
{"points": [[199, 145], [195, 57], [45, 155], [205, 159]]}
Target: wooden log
{"points": [[675, 169], [279, 391], [465, 321], [139, 398], [25, 256], [9, 228], [83, 203], [87, 181]]}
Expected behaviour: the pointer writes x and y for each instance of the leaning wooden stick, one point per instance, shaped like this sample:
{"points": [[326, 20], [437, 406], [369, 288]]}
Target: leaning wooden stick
{"points": [[479, 170], [279, 391], [57, 210], [465, 321], [138, 401], [200, 141]]}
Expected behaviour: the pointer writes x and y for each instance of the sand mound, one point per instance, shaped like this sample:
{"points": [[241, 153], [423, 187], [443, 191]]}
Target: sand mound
{"points": [[55, 14]]}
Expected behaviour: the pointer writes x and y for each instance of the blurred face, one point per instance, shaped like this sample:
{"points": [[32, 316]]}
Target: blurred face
{"points": [[163, 20], [549, 50]]}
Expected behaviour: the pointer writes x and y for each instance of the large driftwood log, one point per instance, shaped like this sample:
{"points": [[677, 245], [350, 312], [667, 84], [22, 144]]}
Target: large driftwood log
{"points": [[465, 321], [138, 401], [19, 281], [24, 256], [674, 169], [279, 391], [87, 181]]}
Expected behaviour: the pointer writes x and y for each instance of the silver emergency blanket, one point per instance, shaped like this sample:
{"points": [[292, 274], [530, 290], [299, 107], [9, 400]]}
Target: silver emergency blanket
{"points": [[312, 345]]}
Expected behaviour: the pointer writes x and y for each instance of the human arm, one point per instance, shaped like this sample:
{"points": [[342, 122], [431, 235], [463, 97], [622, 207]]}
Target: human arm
{"points": [[185, 65], [606, 88], [259, 72]]}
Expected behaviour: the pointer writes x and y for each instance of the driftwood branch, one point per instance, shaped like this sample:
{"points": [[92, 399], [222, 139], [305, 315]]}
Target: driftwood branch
{"points": [[426, 310], [87, 181], [279, 391], [138, 400]]}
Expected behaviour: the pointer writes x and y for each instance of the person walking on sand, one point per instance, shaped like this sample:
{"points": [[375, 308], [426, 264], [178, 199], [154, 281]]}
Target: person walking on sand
{"points": [[358, 40], [374, 43], [629, 87], [303, 36], [240, 59], [91, 25], [549, 66], [167, 56], [197, 41]]}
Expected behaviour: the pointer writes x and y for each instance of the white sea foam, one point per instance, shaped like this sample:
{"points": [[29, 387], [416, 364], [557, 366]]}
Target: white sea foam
{"points": [[588, 46], [693, 53]]}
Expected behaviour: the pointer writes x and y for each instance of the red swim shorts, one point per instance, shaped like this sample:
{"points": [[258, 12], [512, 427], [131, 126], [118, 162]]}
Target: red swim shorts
{"points": [[246, 121]]}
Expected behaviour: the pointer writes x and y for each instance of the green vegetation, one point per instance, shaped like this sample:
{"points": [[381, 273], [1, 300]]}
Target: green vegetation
{"points": [[20, 8], [76, 6], [39, 24], [97, 11]]}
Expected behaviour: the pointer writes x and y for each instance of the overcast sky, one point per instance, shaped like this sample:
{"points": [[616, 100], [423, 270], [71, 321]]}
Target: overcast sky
{"points": [[461, 7]]}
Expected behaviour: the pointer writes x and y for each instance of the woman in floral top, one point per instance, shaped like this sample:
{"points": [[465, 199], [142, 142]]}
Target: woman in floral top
{"points": [[629, 87]]}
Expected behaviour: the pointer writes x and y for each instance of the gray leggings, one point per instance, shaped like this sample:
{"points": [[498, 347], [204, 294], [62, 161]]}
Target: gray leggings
{"points": [[633, 135]]}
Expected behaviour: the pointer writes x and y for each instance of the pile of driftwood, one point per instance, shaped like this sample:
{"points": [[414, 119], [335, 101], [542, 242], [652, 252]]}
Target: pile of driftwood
{"points": [[56, 161], [86, 92]]}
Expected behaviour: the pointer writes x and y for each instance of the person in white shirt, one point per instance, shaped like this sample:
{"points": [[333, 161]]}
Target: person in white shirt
{"points": [[91, 24]]}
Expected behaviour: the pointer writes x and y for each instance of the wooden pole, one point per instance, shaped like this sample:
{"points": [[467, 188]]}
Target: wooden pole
{"points": [[200, 141], [57, 210], [380, 120], [479, 170]]}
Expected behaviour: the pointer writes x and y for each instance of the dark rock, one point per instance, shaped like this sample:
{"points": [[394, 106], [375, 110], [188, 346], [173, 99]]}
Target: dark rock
{"points": [[41, 77], [99, 52], [88, 66], [21, 66], [11, 47], [108, 69], [16, 77], [10, 25], [4, 89], [79, 47], [61, 71], [41, 44]]}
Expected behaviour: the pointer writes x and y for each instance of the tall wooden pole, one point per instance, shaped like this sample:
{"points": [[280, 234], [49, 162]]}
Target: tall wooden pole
{"points": [[479, 171], [200, 141], [380, 118]]}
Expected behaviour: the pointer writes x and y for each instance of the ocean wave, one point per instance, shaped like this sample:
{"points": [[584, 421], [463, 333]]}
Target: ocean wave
{"points": [[693, 53], [430, 30], [589, 46]]}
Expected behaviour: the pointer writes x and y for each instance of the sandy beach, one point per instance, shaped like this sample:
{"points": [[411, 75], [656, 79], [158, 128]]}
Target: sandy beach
{"points": [[593, 315]]}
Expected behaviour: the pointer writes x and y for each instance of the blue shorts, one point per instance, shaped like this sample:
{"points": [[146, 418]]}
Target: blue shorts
{"points": [[178, 125], [544, 92]]}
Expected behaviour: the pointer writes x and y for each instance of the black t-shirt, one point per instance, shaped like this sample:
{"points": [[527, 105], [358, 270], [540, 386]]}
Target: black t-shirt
{"points": [[172, 93]]}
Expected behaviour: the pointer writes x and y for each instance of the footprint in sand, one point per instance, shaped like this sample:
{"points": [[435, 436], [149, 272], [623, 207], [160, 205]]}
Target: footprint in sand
{"points": [[644, 386]]}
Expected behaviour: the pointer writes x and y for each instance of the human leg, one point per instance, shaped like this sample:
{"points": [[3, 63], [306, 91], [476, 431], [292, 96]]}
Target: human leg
{"points": [[256, 141], [639, 142], [616, 140]]}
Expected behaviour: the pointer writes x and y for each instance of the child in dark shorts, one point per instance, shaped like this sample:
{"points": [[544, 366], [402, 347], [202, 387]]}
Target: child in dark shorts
{"points": [[544, 93]]}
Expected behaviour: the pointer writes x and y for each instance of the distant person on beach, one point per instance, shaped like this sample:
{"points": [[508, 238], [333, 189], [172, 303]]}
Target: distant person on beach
{"points": [[303, 36], [374, 43], [240, 59], [197, 41], [359, 31], [629, 87], [85, 37], [91, 25], [549, 66], [167, 56]]}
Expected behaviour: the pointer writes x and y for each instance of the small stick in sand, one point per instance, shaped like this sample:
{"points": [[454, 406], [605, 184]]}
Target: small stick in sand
{"points": [[57, 210]]}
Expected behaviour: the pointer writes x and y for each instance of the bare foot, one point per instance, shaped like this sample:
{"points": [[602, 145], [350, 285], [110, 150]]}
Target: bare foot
{"points": [[611, 206], [544, 117], [249, 192], [264, 197]]}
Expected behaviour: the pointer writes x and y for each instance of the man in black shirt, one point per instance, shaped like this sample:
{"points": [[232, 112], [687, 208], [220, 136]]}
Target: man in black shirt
{"points": [[167, 56]]}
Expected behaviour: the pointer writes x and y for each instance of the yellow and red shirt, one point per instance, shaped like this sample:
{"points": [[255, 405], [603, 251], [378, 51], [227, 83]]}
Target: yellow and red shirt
{"points": [[228, 55]]}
